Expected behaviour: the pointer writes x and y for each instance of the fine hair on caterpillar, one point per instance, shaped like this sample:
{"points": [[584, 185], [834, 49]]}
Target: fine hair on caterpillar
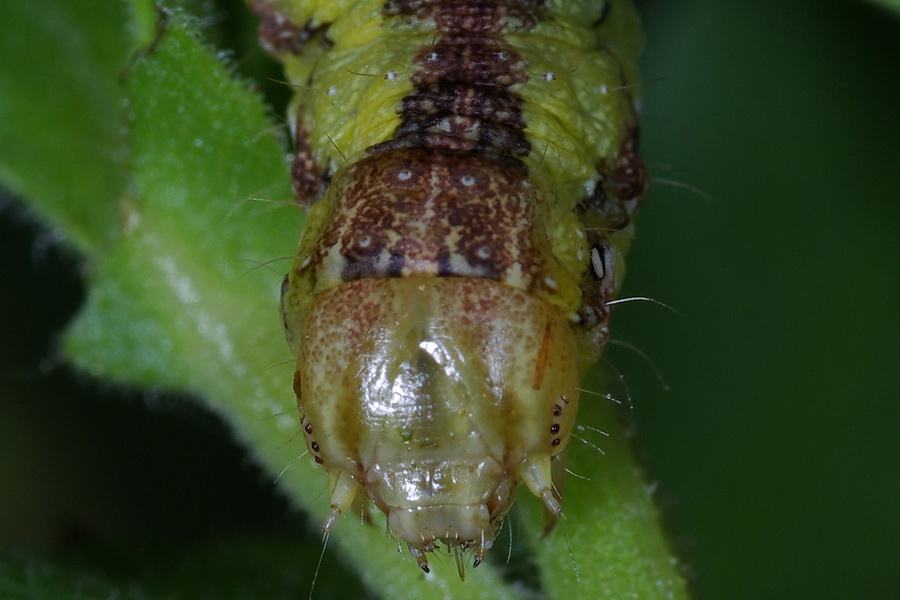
{"points": [[471, 199]]}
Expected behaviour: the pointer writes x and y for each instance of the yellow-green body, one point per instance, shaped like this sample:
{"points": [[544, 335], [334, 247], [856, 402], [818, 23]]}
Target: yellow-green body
{"points": [[463, 240]]}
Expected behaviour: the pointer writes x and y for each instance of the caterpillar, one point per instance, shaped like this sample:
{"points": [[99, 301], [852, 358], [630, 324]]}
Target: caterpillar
{"points": [[471, 173]]}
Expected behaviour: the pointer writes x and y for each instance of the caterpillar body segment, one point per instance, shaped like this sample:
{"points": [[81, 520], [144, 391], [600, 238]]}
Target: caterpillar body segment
{"points": [[472, 174]]}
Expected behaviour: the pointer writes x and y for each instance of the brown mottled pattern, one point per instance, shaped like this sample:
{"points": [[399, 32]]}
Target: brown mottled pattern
{"points": [[626, 180], [276, 33], [472, 17], [462, 101], [470, 60], [307, 179], [619, 193], [415, 212]]}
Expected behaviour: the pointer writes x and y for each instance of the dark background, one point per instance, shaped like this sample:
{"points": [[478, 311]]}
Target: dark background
{"points": [[771, 131]]}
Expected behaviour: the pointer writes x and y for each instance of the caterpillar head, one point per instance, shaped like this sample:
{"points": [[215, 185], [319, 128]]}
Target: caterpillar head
{"points": [[436, 397]]}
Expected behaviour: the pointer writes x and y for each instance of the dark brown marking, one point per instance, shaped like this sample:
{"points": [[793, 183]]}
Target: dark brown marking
{"points": [[307, 179], [462, 101], [625, 177], [479, 60], [297, 383], [285, 286], [626, 181], [415, 211], [277, 34], [554, 428], [619, 193], [477, 16], [600, 210]]}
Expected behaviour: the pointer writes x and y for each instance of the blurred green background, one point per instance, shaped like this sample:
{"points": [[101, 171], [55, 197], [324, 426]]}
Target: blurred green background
{"points": [[774, 447]]}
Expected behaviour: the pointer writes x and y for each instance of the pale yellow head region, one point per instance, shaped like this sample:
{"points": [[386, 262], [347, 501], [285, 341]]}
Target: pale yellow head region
{"points": [[437, 396]]}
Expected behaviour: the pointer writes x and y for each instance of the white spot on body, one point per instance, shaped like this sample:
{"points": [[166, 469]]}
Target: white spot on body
{"points": [[597, 263]]}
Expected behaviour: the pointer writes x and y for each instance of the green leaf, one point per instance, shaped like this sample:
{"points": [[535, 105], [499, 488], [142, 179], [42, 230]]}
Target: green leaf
{"points": [[62, 142], [209, 205]]}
